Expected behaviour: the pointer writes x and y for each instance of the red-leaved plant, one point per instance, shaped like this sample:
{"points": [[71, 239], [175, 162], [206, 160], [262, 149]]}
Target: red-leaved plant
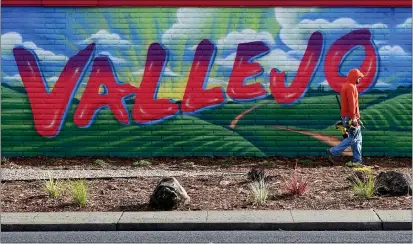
{"points": [[296, 185]]}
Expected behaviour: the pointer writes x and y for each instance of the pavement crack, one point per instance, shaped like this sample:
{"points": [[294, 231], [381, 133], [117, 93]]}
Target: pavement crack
{"points": [[381, 221], [117, 223]]}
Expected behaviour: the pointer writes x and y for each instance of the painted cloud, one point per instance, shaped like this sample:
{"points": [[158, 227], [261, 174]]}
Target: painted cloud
{"points": [[231, 41], [44, 54], [407, 24], [276, 58], [104, 37], [392, 50], [16, 80], [11, 79], [189, 22], [11, 39], [295, 32]]}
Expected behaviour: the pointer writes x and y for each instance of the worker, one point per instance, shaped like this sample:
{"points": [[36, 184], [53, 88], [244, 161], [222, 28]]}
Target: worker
{"points": [[350, 114]]}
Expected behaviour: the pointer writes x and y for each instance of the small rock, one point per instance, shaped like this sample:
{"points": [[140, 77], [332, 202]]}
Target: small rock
{"points": [[224, 183], [112, 187], [393, 183], [168, 195]]}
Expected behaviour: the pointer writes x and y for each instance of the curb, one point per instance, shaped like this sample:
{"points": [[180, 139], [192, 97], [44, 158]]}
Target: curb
{"points": [[296, 220]]}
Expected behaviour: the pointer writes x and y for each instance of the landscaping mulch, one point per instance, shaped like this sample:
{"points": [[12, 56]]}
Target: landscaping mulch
{"points": [[179, 163], [328, 187]]}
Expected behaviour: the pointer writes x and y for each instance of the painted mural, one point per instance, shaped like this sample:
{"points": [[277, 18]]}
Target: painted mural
{"points": [[200, 82]]}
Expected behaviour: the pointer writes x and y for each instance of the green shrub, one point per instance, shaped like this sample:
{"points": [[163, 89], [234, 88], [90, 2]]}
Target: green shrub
{"points": [[79, 192], [100, 162], [354, 165], [5, 160], [364, 188]]}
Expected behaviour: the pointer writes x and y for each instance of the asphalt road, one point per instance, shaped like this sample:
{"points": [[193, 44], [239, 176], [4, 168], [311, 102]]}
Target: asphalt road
{"points": [[210, 237]]}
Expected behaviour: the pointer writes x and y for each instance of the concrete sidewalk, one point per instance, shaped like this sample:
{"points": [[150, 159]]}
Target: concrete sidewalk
{"points": [[302, 220], [41, 174]]}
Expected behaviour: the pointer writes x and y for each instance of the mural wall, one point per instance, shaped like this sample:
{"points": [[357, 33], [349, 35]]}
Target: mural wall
{"points": [[198, 82]]}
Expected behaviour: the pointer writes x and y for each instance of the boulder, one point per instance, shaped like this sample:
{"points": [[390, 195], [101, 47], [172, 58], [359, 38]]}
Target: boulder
{"points": [[393, 183], [168, 195]]}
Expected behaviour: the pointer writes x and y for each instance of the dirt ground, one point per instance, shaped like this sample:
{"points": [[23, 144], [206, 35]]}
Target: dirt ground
{"points": [[328, 187]]}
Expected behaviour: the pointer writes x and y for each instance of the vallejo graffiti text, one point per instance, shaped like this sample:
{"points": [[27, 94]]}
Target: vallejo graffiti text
{"points": [[50, 108]]}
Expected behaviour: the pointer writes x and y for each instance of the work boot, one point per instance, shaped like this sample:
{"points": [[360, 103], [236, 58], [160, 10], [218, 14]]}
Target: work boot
{"points": [[330, 156]]}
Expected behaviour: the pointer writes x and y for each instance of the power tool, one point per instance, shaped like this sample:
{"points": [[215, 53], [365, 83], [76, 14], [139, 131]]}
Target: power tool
{"points": [[339, 124], [344, 127]]}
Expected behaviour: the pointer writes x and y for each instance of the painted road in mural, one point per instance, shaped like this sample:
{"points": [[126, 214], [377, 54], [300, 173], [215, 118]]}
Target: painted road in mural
{"points": [[168, 81]]}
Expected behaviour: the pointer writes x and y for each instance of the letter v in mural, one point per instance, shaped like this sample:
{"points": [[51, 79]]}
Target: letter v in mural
{"points": [[208, 81]]}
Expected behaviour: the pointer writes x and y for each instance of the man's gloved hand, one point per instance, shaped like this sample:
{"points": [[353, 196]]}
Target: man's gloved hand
{"points": [[354, 122]]}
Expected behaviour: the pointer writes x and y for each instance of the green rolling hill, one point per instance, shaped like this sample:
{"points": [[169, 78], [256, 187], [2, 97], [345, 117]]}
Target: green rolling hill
{"points": [[180, 136]]}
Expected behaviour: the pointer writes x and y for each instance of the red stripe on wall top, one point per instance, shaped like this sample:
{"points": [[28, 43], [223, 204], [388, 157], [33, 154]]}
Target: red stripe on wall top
{"points": [[211, 3], [21, 2], [70, 3]]}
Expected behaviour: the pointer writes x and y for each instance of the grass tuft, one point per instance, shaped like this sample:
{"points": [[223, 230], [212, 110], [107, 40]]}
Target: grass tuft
{"points": [[53, 187], [141, 164], [5, 160], [79, 190], [364, 188], [259, 192]]}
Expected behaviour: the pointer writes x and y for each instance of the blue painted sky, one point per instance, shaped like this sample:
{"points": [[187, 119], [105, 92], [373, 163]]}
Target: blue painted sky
{"points": [[55, 34]]}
